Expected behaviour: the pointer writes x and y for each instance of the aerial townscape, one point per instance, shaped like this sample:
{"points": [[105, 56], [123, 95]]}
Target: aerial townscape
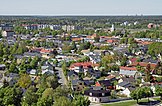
{"points": [[80, 60], [81, 53]]}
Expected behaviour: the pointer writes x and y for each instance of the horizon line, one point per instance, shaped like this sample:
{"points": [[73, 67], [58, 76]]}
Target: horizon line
{"points": [[80, 14]]}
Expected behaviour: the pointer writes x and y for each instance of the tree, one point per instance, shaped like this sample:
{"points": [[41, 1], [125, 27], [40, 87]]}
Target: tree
{"points": [[64, 68], [155, 48], [13, 68], [141, 92], [10, 96], [52, 82], [107, 60], [147, 72], [137, 94], [63, 101], [80, 100], [158, 91], [47, 98], [60, 91], [24, 81], [30, 97]]}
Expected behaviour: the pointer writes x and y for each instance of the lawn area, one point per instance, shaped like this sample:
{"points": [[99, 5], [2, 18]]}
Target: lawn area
{"points": [[126, 103]]}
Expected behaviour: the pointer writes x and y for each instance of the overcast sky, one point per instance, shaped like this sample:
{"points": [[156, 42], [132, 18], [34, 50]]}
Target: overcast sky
{"points": [[80, 7]]}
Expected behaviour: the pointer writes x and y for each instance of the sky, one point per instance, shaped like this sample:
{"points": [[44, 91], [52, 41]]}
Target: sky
{"points": [[80, 7]]}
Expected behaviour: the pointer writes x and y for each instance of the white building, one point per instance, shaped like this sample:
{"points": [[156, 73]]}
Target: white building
{"points": [[7, 33]]}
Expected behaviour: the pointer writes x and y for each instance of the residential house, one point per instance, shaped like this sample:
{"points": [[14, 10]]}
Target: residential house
{"points": [[72, 75], [81, 67], [93, 73], [32, 73], [105, 83], [129, 71], [127, 79], [125, 88], [31, 54], [7, 33], [10, 78], [97, 95], [77, 85], [6, 27], [47, 68], [47, 53]]}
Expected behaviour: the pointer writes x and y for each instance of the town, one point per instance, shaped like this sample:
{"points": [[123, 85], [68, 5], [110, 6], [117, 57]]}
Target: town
{"points": [[80, 60]]}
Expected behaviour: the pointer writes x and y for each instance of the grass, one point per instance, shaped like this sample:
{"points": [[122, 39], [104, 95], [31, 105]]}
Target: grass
{"points": [[127, 103]]}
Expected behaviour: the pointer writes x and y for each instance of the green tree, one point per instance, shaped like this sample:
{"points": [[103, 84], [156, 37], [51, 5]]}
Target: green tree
{"points": [[158, 91], [30, 97], [24, 81], [52, 81], [80, 100]]}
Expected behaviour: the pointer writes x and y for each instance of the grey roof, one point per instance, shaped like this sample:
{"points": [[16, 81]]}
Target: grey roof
{"points": [[75, 82], [125, 72], [130, 79], [31, 54], [72, 73], [123, 84], [2, 65]]}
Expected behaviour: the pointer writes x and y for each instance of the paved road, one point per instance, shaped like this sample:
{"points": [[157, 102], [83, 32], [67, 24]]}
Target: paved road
{"points": [[62, 78]]}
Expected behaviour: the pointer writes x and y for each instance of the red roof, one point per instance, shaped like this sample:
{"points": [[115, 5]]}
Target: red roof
{"points": [[83, 64], [144, 64], [45, 51], [133, 60], [128, 68]]}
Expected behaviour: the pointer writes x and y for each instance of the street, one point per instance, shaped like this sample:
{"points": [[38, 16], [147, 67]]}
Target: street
{"points": [[62, 78]]}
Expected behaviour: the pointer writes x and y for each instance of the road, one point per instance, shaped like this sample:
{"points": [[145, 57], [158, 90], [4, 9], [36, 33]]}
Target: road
{"points": [[62, 78]]}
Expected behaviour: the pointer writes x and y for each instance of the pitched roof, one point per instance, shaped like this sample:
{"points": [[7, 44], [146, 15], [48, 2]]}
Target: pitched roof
{"points": [[105, 82], [126, 72], [83, 64], [45, 51], [128, 68], [144, 64], [133, 60], [129, 79]]}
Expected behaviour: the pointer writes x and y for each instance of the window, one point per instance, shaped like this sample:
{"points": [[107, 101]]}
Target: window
{"points": [[103, 94], [90, 94]]}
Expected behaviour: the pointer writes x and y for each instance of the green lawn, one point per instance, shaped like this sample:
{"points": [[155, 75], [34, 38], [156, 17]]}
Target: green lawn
{"points": [[127, 103]]}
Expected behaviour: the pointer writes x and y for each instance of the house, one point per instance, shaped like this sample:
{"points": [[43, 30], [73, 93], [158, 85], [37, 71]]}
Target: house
{"points": [[132, 60], [97, 95], [47, 53], [93, 73], [125, 88], [32, 71], [6, 27], [105, 83], [129, 71], [111, 77], [31, 54], [47, 68], [81, 67], [2, 67], [72, 75], [2, 70], [89, 83], [127, 79], [10, 78], [7, 33], [144, 64], [77, 85]]}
